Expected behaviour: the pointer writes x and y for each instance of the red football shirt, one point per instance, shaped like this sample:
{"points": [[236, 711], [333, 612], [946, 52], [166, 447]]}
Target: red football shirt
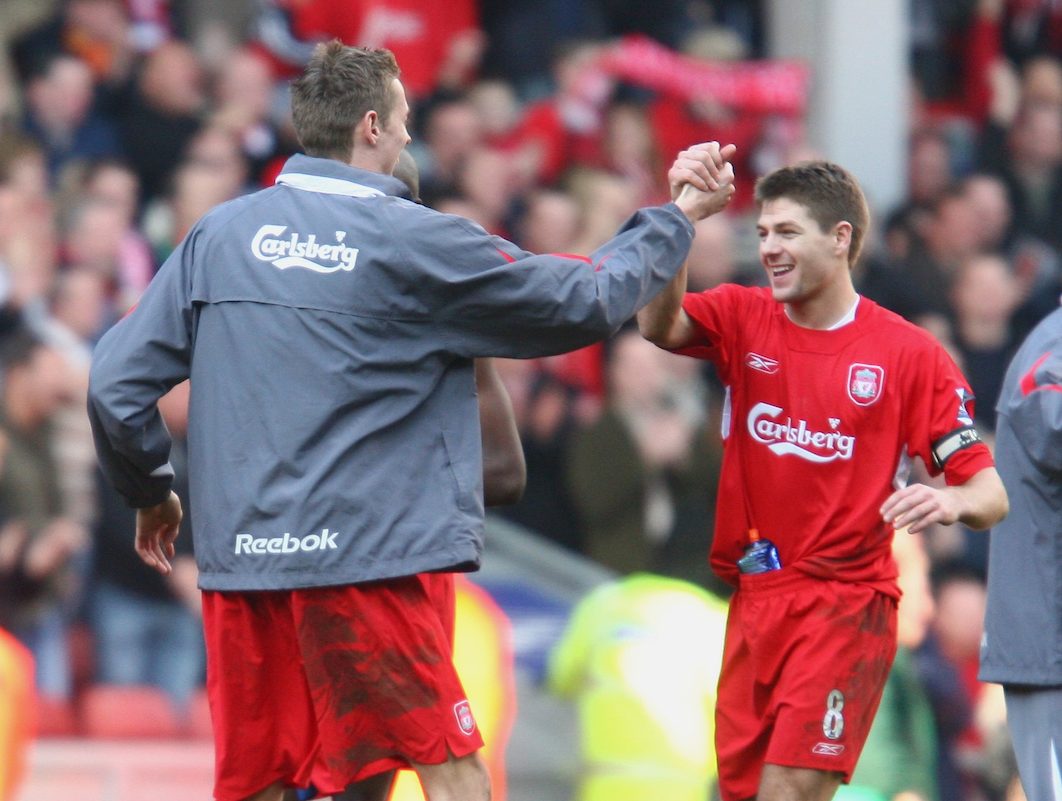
{"points": [[820, 428]]}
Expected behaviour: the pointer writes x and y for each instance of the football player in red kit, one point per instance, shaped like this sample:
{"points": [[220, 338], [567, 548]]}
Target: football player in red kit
{"points": [[829, 399]]}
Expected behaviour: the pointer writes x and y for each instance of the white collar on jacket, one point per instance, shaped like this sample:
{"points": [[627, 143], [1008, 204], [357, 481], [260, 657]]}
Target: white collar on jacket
{"points": [[326, 185]]}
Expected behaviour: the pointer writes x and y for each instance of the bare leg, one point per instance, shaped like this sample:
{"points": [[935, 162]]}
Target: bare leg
{"points": [[457, 779], [375, 788], [779, 783]]}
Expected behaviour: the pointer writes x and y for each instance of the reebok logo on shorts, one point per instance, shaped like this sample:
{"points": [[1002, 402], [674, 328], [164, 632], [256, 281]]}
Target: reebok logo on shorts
{"points": [[828, 749], [463, 713], [250, 544]]}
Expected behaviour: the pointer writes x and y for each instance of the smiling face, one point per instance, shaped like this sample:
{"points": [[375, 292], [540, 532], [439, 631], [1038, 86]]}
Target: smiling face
{"points": [[806, 266]]}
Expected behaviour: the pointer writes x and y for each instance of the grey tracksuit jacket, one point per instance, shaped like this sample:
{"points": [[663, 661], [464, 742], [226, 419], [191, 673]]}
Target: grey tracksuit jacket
{"points": [[328, 326], [1023, 617]]}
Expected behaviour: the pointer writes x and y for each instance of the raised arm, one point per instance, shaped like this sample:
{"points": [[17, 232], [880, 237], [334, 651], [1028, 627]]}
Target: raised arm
{"points": [[662, 321]]}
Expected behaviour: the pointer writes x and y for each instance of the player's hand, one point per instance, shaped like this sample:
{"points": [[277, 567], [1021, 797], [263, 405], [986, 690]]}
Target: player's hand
{"points": [[156, 529], [701, 166], [919, 506], [697, 204]]}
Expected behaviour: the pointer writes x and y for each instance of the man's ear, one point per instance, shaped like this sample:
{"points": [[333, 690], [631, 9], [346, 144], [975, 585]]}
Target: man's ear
{"points": [[842, 235], [369, 127]]}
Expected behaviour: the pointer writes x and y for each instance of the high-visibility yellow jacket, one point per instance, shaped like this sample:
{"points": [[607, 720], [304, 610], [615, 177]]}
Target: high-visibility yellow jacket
{"points": [[641, 658]]}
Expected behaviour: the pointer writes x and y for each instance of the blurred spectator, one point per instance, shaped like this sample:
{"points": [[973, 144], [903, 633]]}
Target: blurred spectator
{"points": [[942, 239], [930, 171], [151, 21], [111, 187], [80, 311], [605, 201], [629, 148], [438, 45], [988, 194], [564, 127], [451, 133], [712, 258], [948, 663], [1034, 172], [1023, 144], [1031, 28], [516, 30], [243, 99], [1041, 80], [498, 109], [60, 114], [217, 149], [984, 297], [640, 657], [680, 121], [517, 35], [97, 32], [96, 238], [162, 114], [954, 49], [39, 546], [146, 626], [899, 760], [79, 308], [650, 441], [485, 180], [28, 250], [19, 18], [197, 188], [544, 407], [550, 222], [1034, 264]]}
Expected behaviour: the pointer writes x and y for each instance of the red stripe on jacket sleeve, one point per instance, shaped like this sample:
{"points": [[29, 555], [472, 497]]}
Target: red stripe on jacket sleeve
{"points": [[1028, 381]]}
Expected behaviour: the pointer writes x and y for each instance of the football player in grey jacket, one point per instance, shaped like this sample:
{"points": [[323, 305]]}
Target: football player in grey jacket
{"points": [[1022, 645], [328, 325]]}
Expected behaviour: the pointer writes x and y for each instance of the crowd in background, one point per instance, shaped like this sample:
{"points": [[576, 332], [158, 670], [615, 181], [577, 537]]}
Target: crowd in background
{"points": [[123, 121]]}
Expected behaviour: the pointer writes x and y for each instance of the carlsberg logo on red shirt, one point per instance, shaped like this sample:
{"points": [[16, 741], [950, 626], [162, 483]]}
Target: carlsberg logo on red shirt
{"points": [[797, 438]]}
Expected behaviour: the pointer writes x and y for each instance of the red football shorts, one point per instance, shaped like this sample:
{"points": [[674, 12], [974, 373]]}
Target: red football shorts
{"points": [[804, 666], [332, 685]]}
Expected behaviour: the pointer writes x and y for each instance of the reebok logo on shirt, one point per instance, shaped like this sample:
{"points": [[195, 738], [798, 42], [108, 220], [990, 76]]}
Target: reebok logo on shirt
{"points": [[252, 545], [798, 439], [828, 749], [294, 251], [761, 363]]}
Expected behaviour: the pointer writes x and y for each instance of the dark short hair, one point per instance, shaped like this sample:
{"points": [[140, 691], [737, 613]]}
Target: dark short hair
{"points": [[18, 345], [828, 191], [338, 87]]}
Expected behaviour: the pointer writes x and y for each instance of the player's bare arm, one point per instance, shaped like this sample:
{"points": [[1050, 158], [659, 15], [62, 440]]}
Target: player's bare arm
{"points": [[504, 468], [156, 529], [663, 321], [980, 503]]}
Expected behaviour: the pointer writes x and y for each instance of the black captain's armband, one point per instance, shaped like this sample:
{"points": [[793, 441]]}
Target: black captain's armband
{"points": [[958, 440]]}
